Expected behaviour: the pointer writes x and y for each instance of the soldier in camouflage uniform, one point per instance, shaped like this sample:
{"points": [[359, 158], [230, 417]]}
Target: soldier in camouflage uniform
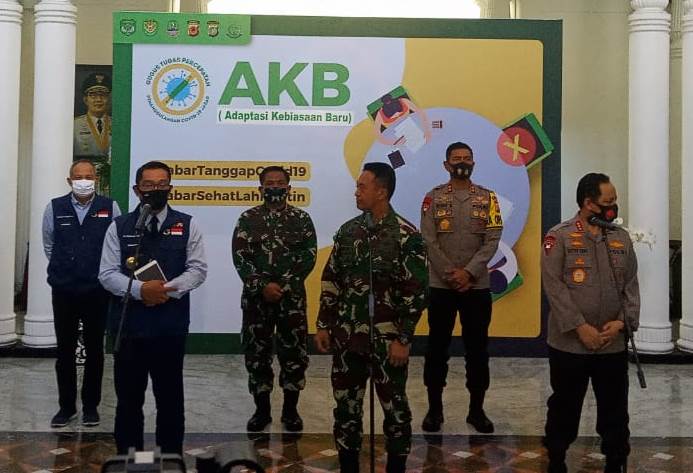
{"points": [[274, 250], [400, 279]]}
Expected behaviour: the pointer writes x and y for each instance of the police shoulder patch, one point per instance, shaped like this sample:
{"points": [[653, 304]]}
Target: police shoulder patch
{"points": [[549, 243], [426, 204]]}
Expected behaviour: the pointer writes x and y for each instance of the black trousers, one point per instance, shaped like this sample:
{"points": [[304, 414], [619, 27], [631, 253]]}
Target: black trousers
{"points": [[68, 309], [570, 375], [474, 307], [138, 359]]}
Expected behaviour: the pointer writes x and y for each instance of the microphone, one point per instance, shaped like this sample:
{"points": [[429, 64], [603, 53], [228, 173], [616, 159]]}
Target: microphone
{"points": [[145, 210], [594, 220]]}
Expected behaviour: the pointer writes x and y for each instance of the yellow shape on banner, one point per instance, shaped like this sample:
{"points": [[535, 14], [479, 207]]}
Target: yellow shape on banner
{"points": [[200, 170], [500, 80], [231, 196], [515, 146]]}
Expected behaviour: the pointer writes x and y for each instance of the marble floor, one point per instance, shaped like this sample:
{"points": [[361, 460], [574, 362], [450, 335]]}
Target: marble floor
{"points": [[218, 405]]}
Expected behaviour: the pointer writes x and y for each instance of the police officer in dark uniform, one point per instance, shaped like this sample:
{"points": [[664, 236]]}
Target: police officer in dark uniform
{"points": [[157, 321], [74, 226], [462, 225], [586, 323]]}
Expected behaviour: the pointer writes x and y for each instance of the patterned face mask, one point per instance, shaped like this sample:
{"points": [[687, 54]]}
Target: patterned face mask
{"points": [[274, 195], [461, 170]]}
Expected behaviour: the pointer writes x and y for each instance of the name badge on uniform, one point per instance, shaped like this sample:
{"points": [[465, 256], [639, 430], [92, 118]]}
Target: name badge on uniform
{"points": [[102, 214]]}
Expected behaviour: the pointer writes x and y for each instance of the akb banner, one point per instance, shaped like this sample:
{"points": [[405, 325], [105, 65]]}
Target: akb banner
{"points": [[219, 97]]}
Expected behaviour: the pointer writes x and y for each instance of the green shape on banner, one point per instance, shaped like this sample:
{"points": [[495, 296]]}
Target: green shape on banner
{"points": [[286, 83], [338, 84], [395, 93], [180, 28], [242, 70]]}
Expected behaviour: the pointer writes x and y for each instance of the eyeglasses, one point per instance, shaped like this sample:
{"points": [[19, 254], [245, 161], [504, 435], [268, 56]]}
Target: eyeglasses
{"points": [[150, 186], [94, 95]]}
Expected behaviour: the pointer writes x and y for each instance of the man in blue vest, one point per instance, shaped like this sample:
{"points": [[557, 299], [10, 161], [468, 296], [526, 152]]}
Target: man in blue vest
{"points": [[158, 315], [74, 226]]}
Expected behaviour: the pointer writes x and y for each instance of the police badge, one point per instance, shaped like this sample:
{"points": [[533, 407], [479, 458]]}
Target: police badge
{"points": [[212, 28]]}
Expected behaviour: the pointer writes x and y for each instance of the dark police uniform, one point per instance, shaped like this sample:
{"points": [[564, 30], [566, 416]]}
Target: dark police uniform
{"points": [[462, 229], [579, 285], [77, 295], [154, 337]]}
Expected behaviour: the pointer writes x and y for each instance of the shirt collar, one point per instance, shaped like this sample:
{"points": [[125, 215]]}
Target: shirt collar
{"points": [[161, 216], [77, 203]]}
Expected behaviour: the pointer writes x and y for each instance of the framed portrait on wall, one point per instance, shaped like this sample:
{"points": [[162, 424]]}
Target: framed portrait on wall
{"points": [[92, 126]]}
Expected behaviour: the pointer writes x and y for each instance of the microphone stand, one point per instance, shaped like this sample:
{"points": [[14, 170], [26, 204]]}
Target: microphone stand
{"points": [[371, 343], [626, 325], [131, 264]]}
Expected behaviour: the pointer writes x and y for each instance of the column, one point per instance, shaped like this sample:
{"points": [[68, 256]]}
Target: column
{"points": [[10, 38], [685, 342], [648, 167], [54, 82], [494, 8]]}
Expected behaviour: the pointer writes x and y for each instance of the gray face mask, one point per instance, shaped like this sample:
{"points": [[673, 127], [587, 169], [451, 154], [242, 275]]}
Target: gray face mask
{"points": [[274, 195], [461, 170]]}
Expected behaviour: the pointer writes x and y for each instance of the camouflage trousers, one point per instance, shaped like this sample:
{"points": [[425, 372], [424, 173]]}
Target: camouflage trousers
{"points": [[349, 377], [260, 322]]}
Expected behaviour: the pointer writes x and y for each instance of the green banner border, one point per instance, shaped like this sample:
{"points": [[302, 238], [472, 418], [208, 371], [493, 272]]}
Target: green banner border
{"points": [[548, 32]]}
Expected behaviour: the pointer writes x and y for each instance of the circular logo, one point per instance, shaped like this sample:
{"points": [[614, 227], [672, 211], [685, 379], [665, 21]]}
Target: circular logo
{"points": [[178, 90]]}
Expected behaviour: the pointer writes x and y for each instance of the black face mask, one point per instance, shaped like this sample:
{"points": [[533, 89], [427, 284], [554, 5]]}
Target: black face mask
{"points": [[274, 195], [156, 198], [461, 170], [609, 212]]}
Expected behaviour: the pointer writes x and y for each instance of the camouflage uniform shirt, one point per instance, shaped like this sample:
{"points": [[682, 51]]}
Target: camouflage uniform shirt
{"points": [[400, 280], [273, 246]]}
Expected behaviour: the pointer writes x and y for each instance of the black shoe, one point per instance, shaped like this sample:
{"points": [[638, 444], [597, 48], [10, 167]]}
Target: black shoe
{"points": [[348, 461], [63, 417], [396, 463], [262, 416], [480, 422], [292, 421], [432, 421], [290, 418], [259, 421], [614, 465], [90, 418], [557, 467]]}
